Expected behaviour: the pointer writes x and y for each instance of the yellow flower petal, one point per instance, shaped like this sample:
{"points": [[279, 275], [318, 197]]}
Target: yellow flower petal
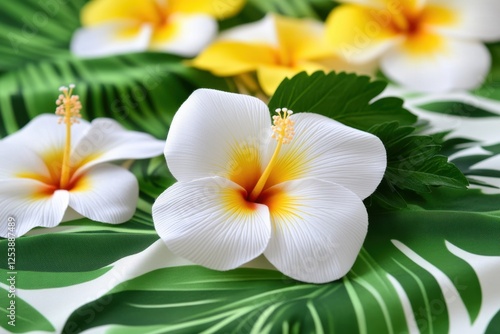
{"points": [[424, 44], [301, 39], [226, 58], [271, 76], [360, 34], [220, 9], [100, 11], [438, 16], [164, 33]]}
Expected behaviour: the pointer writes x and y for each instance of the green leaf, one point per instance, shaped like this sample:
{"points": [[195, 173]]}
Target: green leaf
{"points": [[318, 9], [346, 98], [413, 164], [494, 326], [89, 251], [130, 88], [36, 31], [418, 175], [32, 280], [454, 145], [466, 164], [194, 299], [456, 108], [26, 318]]}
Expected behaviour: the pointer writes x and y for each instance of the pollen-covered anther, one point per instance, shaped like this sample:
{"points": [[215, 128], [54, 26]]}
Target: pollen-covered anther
{"points": [[68, 105], [283, 128]]}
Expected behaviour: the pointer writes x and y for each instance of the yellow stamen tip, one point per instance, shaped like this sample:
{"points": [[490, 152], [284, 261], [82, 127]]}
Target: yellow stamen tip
{"points": [[283, 128]]}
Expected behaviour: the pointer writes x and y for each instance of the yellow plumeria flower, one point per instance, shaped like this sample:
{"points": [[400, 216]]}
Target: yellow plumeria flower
{"points": [[292, 191], [57, 168], [182, 27], [275, 48], [426, 45]]}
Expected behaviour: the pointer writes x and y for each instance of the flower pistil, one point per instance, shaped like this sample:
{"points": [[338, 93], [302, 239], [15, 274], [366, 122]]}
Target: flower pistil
{"points": [[68, 107], [283, 132]]}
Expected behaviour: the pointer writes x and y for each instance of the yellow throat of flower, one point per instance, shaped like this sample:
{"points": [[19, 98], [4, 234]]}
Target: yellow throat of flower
{"points": [[68, 107], [283, 132]]}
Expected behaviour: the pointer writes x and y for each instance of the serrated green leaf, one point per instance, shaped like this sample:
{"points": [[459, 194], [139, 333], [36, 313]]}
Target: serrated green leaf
{"points": [[456, 108], [346, 98], [413, 163], [419, 176]]}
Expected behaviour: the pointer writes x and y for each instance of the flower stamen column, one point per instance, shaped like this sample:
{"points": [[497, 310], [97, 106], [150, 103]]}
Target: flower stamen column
{"points": [[68, 106], [283, 132]]}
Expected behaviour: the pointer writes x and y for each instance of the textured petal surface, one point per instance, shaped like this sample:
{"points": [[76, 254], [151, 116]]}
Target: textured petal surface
{"points": [[217, 133], [456, 65], [105, 193], [25, 201], [318, 229], [185, 35], [111, 38], [106, 140], [21, 160], [473, 19], [43, 134], [208, 222], [328, 150]]}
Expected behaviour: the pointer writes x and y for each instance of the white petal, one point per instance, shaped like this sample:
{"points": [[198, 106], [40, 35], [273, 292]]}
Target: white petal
{"points": [[107, 140], [328, 150], [462, 65], [44, 134], [22, 200], [476, 19], [193, 34], [262, 31], [104, 39], [208, 222], [20, 160], [318, 229], [105, 193], [216, 133]]}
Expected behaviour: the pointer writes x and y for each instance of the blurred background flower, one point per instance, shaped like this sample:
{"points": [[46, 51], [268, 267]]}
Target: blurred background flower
{"points": [[426, 45], [174, 26], [273, 48]]}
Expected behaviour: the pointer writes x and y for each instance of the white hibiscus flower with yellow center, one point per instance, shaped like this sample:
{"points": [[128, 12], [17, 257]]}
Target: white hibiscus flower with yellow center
{"points": [[426, 45], [57, 168], [182, 27], [292, 191]]}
